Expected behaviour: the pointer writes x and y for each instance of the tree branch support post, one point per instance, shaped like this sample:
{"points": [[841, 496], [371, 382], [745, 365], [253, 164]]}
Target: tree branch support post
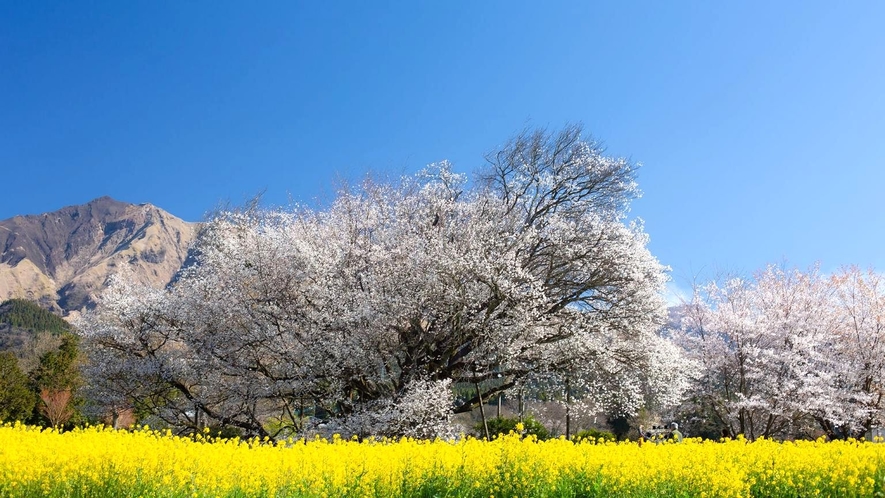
{"points": [[568, 409], [482, 412]]}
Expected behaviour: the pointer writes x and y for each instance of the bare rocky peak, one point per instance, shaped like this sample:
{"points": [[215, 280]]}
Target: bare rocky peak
{"points": [[64, 258]]}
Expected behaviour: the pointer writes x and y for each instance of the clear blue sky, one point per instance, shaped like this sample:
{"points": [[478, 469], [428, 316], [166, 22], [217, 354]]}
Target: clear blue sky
{"points": [[760, 125]]}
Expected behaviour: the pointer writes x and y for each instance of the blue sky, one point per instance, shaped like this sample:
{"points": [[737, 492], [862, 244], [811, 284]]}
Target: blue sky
{"points": [[760, 125]]}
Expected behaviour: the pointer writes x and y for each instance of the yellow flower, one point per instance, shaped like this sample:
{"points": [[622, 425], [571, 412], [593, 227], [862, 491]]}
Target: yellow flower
{"points": [[153, 462]]}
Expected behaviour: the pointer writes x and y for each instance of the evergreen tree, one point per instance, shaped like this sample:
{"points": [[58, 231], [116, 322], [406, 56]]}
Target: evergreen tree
{"points": [[59, 369], [16, 398]]}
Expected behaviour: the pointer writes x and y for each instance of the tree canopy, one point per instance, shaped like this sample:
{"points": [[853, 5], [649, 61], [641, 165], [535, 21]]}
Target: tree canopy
{"points": [[367, 311]]}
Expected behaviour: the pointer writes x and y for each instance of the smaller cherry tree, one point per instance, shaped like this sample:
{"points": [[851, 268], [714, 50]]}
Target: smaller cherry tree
{"points": [[858, 348], [788, 353]]}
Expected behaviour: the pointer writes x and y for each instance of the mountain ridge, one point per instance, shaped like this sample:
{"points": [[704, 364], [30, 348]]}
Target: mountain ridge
{"points": [[64, 258]]}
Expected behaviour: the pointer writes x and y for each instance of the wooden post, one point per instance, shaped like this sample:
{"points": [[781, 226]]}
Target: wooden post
{"points": [[482, 412], [568, 407]]}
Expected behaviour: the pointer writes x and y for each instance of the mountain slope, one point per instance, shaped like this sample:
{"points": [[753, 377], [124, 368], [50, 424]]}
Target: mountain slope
{"points": [[63, 259]]}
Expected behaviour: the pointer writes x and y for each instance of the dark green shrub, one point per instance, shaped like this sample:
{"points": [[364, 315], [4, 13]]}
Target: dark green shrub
{"points": [[223, 432], [594, 435], [504, 425], [620, 426]]}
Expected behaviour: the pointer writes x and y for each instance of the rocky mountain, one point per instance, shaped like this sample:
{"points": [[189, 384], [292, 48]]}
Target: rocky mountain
{"points": [[63, 259]]}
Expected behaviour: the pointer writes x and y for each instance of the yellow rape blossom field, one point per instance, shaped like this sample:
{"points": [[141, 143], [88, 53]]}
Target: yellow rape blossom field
{"points": [[103, 462]]}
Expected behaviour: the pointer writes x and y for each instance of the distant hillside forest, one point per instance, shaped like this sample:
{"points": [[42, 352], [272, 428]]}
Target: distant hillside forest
{"points": [[39, 366], [20, 313]]}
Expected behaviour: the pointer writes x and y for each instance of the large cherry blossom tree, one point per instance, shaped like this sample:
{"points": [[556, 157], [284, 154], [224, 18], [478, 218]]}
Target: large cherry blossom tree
{"points": [[368, 310]]}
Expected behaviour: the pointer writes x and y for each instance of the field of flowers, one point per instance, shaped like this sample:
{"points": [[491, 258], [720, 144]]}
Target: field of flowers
{"points": [[103, 462]]}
